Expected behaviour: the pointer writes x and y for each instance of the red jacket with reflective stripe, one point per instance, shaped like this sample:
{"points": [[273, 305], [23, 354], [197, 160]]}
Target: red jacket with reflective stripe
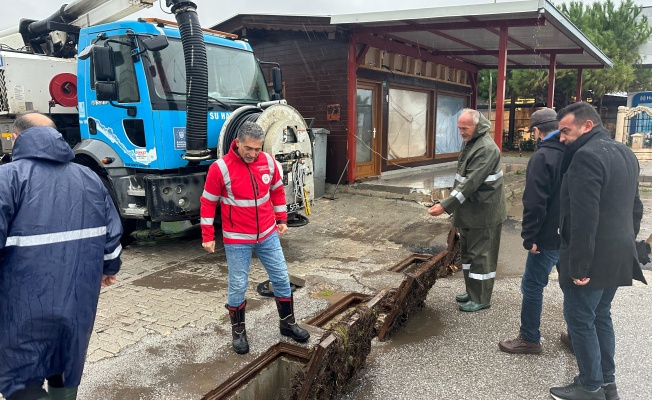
{"points": [[251, 198]]}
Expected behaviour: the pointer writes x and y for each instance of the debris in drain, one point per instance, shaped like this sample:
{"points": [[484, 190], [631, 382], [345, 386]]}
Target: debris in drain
{"points": [[453, 261], [326, 371], [411, 294], [339, 356], [350, 300]]}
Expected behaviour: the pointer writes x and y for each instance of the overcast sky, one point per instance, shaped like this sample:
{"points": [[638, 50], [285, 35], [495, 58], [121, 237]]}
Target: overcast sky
{"points": [[211, 11]]}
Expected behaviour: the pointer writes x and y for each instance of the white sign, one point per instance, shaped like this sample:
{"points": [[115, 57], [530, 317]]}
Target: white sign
{"points": [[19, 93]]}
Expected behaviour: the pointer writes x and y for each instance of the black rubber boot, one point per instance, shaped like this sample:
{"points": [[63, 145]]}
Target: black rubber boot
{"points": [[238, 331], [288, 325]]}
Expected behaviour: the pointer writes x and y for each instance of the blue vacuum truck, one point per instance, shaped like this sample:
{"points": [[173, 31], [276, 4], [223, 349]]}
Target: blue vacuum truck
{"points": [[149, 104]]}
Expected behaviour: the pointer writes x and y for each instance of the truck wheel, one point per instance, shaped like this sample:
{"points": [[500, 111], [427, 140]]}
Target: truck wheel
{"points": [[128, 225]]}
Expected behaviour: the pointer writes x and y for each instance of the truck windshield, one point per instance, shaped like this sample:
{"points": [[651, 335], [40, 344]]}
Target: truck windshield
{"points": [[233, 75]]}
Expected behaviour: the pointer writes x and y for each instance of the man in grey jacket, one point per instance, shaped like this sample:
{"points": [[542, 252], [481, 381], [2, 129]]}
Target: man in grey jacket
{"points": [[477, 203]]}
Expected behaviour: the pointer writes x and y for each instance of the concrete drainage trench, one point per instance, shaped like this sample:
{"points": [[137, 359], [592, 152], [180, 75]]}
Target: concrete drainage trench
{"points": [[346, 329]]}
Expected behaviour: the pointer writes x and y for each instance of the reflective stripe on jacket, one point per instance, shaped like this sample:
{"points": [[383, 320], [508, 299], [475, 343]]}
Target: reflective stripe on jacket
{"points": [[251, 198]]}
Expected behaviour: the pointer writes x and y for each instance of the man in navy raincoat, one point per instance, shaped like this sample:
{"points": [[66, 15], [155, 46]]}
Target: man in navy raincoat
{"points": [[59, 243]]}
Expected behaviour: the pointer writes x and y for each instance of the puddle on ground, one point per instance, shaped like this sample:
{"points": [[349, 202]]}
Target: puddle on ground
{"points": [[191, 276], [423, 238], [175, 370], [423, 324]]}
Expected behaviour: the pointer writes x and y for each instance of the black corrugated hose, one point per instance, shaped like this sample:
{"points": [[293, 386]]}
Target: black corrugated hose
{"points": [[194, 51], [249, 115], [38, 28]]}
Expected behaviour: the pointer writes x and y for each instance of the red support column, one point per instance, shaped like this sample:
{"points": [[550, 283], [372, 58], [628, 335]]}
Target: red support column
{"points": [[551, 80], [500, 90], [578, 86], [351, 108]]}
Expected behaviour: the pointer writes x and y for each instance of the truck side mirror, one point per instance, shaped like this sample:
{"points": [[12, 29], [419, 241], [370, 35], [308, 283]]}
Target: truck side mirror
{"points": [[103, 63], [277, 80], [84, 54], [155, 43], [106, 91]]}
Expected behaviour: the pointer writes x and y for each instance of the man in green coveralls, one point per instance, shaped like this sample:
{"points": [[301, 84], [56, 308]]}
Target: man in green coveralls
{"points": [[477, 203]]}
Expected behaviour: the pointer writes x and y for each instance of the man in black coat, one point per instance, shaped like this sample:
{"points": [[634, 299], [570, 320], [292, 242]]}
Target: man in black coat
{"points": [[600, 215], [539, 229]]}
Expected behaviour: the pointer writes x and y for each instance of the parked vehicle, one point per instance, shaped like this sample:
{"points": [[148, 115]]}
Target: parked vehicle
{"points": [[149, 104]]}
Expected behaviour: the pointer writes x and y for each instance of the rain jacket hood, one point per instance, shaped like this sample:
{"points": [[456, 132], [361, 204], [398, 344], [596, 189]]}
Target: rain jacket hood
{"points": [[483, 126], [59, 233], [42, 142]]}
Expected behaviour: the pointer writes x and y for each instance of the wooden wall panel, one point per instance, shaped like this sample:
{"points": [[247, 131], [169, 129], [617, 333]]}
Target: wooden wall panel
{"points": [[314, 72]]}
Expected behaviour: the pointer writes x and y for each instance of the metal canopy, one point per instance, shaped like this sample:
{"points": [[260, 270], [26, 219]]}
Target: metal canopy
{"points": [[489, 34], [470, 33]]}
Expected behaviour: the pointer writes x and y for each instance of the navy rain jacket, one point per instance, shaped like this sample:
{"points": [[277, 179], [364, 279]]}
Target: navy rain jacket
{"points": [[59, 232]]}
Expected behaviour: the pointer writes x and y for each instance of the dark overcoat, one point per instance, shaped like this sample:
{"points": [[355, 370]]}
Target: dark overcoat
{"points": [[541, 196], [600, 212], [59, 233]]}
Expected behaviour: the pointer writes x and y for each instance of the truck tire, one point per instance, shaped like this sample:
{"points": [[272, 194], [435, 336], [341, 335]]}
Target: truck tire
{"points": [[128, 225]]}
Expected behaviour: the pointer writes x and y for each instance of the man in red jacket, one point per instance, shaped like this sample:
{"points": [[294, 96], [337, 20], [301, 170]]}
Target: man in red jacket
{"points": [[249, 187]]}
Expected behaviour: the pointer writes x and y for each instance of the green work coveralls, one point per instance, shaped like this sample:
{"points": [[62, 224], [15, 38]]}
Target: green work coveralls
{"points": [[477, 203]]}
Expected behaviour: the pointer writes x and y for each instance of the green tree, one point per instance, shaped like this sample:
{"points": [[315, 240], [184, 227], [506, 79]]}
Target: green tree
{"points": [[618, 31]]}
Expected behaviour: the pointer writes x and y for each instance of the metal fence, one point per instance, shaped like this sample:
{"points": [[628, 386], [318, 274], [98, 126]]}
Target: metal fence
{"points": [[634, 127]]}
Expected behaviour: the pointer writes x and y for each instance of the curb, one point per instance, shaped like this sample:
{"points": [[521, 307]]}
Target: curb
{"points": [[514, 184]]}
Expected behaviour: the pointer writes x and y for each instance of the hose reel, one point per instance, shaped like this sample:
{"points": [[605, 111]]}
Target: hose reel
{"points": [[287, 140]]}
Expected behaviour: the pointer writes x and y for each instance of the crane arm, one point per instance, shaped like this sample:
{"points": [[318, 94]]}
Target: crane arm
{"points": [[43, 36], [111, 11]]}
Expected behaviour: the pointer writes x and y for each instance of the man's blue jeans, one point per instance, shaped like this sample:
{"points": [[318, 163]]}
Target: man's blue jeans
{"points": [[588, 316], [535, 278], [270, 254]]}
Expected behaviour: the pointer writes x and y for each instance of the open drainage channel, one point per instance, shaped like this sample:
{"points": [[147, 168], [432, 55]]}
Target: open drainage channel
{"points": [[289, 371]]}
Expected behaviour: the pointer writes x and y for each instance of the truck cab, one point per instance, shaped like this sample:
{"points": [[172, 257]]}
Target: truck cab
{"points": [[149, 104], [137, 142]]}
